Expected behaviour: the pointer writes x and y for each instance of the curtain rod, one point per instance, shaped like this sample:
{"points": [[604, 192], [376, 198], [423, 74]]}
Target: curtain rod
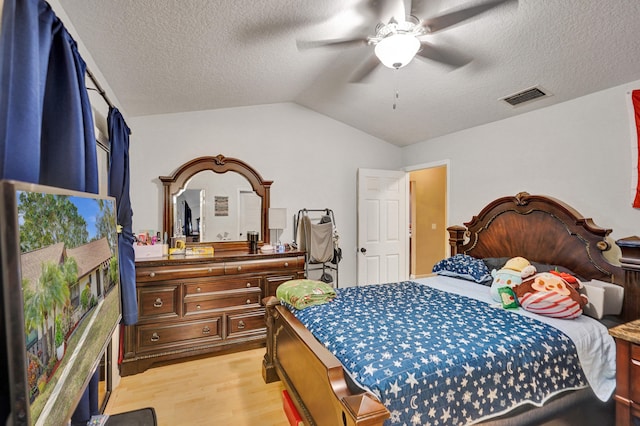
{"points": [[99, 88]]}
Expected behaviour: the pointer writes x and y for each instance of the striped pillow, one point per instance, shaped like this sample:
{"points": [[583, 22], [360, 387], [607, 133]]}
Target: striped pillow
{"points": [[551, 304], [549, 294]]}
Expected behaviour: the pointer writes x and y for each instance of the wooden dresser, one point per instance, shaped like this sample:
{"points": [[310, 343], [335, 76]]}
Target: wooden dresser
{"points": [[191, 306], [627, 395]]}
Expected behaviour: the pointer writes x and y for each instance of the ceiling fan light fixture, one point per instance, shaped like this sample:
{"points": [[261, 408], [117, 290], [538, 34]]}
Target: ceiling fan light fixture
{"points": [[397, 49]]}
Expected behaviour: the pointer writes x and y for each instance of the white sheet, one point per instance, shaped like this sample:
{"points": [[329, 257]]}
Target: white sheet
{"points": [[596, 348]]}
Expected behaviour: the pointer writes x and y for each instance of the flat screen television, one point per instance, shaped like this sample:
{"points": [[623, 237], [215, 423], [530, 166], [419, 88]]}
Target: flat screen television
{"points": [[60, 294]]}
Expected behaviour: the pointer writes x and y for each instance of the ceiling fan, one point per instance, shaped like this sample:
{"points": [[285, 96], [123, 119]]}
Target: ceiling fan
{"points": [[398, 36]]}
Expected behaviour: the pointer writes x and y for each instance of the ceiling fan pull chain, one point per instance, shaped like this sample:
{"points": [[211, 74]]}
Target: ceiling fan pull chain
{"points": [[396, 92]]}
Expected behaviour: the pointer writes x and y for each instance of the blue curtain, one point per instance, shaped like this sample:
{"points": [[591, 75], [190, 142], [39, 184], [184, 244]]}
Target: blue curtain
{"points": [[119, 189], [46, 126]]}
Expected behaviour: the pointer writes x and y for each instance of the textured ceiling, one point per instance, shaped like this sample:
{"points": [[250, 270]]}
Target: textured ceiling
{"points": [[176, 56]]}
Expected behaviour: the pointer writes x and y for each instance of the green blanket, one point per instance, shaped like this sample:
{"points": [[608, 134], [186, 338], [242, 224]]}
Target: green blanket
{"points": [[303, 293]]}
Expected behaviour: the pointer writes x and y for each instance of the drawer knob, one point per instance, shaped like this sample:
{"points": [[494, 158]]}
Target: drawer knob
{"points": [[206, 329], [198, 289], [152, 274], [241, 324], [286, 264], [239, 268], [248, 285], [157, 303], [210, 270], [155, 337], [248, 301], [198, 307]]}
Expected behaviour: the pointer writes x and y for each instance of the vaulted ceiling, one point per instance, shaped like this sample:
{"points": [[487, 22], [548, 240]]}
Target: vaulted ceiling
{"points": [[176, 56]]}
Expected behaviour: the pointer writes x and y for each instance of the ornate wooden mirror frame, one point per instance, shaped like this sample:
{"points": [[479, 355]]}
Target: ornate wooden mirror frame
{"points": [[219, 164]]}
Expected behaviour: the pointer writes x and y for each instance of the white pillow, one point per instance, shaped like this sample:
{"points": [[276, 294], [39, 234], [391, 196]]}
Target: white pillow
{"points": [[604, 298], [595, 307]]}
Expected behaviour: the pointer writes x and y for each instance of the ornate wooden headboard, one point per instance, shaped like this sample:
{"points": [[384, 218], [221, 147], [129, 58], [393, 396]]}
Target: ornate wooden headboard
{"points": [[546, 230]]}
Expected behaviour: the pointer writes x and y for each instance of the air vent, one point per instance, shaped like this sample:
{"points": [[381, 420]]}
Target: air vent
{"points": [[525, 96]]}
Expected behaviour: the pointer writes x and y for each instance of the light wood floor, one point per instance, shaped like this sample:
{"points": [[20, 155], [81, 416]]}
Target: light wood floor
{"points": [[218, 390]]}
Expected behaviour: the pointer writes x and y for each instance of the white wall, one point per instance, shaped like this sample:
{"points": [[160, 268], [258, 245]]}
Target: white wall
{"points": [[579, 152], [311, 159]]}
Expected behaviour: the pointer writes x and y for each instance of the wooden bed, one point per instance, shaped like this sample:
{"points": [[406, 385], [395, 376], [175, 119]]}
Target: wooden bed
{"points": [[539, 228]]}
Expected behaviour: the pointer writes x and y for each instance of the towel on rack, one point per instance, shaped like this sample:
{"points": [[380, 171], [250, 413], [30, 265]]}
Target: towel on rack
{"points": [[304, 224], [321, 242], [316, 239]]}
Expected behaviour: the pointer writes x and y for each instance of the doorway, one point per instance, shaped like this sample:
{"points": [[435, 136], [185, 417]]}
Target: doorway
{"points": [[402, 221], [382, 226], [249, 213], [428, 200]]}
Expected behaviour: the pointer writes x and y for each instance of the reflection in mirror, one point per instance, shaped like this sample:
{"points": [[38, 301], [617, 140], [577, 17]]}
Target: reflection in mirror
{"points": [[188, 213], [217, 207], [230, 198]]}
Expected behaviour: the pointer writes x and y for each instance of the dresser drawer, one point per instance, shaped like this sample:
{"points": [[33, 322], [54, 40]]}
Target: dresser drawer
{"points": [[210, 286], [158, 302], [242, 324], [152, 337], [159, 273], [283, 263], [223, 300], [634, 373]]}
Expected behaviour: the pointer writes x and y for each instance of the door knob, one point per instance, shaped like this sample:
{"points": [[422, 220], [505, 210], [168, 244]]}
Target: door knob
{"points": [[363, 250]]}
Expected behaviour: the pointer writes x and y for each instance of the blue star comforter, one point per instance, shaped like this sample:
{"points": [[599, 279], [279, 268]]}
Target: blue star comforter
{"points": [[438, 357]]}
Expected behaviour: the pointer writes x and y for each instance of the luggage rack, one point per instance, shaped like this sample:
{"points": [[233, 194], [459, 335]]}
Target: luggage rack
{"points": [[315, 233]]}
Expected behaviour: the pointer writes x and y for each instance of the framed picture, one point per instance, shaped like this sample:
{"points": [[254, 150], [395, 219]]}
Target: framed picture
{"points": [[221, 205]]}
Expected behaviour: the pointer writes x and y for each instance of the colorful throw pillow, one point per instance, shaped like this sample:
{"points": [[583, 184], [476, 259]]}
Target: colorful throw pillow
{"points": [[549, 294], [511, 274], [465, 267], [304, 293]]}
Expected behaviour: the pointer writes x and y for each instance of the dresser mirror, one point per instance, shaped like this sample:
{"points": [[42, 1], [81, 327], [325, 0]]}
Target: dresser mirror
{"points": [[216, 201]]}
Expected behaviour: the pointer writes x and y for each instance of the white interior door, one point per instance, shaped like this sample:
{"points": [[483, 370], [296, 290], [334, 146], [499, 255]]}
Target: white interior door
{"points": [[383, 222], [249, 214]]}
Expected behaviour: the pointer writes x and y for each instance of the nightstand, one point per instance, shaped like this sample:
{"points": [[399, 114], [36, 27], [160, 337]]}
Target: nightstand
{"points": [[627, 395]]}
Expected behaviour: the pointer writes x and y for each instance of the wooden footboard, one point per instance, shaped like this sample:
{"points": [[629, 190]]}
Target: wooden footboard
{"points": [[314, 378]]}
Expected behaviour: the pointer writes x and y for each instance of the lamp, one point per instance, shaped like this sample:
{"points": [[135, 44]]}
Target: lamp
{"points": [[397, 49], [278, 221]]}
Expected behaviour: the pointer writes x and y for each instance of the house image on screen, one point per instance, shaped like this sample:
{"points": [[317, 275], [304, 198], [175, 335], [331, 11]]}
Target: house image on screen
{"points": [[60, 286]]}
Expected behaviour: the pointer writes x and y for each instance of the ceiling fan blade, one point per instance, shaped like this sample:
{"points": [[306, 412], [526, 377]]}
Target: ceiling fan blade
{"points": [[282, 26], [445, 56], [385, 11], [425, 7], [285, 23], [365, 69], [352, 42], [407, 6], [451, 18]]}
